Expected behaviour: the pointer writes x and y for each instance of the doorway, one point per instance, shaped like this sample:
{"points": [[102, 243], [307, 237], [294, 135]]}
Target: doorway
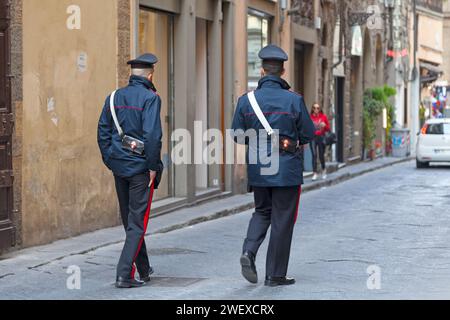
{"points": [[340, 87], [6, 128], [155, 36], [201, 111], [303, 84]]}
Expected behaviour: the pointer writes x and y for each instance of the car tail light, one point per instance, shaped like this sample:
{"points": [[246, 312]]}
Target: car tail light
{"points": [[424, 129]]}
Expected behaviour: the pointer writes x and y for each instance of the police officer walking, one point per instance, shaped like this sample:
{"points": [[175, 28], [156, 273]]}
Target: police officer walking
{"points": [[276, 196], [129, 137]]}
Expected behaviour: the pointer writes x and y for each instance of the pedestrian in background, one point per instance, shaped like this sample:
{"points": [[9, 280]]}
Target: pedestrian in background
{"points": [[318, 145], [129, 137]]}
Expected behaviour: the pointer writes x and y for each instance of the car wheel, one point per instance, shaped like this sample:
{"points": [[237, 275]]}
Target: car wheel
{"points": [[421, 165]]}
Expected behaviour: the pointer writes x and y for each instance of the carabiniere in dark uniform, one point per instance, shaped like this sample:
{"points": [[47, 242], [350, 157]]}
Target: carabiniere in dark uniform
{"points": [[134, 157], [276, 196]]}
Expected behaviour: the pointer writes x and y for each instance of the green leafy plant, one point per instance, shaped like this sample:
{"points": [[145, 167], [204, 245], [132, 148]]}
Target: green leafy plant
{"points": [[374, 101]]}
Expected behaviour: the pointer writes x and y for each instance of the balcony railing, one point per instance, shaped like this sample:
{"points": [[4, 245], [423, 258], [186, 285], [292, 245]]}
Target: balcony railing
{"points": [[433, 5]]}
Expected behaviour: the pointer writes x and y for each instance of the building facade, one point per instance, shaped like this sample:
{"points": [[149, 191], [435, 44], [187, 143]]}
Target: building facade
{"points": [[427, 62], [361, 64], [53, 184]]}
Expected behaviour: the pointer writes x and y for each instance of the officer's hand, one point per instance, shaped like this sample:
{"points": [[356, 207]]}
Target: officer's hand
{"points": [[152, 177]]}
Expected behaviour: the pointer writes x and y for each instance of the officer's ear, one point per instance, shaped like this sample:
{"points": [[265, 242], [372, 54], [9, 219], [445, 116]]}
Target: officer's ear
{"points": [[283, 72], [150, 76], [263, 73]]}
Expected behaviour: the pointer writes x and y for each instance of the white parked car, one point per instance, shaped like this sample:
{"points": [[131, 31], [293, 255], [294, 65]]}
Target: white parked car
{"points": [[433, 143]]}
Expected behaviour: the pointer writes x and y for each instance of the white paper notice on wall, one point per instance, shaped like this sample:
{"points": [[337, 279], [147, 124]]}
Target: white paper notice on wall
{"points": [[50, 104], [82, 61], [51, 107]]}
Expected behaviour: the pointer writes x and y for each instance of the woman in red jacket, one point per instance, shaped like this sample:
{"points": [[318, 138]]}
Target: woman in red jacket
{"points": [[318, 144]]}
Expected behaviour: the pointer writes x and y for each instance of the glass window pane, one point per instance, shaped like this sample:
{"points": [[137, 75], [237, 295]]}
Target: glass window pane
{"points": [[265, 32], [258, 37], [435, 128], [154, 37]]}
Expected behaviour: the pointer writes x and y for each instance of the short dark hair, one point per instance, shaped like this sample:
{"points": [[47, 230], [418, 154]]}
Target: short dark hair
{"points": [[273, 67]]}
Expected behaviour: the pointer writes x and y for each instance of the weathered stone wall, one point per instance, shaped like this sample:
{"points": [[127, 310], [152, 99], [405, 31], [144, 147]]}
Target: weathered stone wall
{"points": [[67, 74], [363, 71]]}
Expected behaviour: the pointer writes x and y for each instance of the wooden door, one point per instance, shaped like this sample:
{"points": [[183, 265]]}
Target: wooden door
{"points": [[6, 129]]}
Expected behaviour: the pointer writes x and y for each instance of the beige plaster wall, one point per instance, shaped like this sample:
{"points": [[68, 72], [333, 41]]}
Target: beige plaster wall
{"points": [[66, 189], [431, 43]]}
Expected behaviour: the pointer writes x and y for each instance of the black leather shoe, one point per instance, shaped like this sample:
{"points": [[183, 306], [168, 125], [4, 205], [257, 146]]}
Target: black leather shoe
{"points": [[146, 278], [278, 281], [249, 267], [128, 283]]}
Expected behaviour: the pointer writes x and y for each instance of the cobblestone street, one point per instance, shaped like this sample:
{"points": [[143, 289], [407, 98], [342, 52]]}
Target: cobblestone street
{"points": [[395, 219]]}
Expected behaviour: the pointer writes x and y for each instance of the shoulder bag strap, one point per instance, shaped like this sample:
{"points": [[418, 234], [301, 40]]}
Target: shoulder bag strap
{"points": [[259, 113], [113, 113]]}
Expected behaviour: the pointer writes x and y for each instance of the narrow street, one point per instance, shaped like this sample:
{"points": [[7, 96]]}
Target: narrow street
{"points": [[397, 219]]}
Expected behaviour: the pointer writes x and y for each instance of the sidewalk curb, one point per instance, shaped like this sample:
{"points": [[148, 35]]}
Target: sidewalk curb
{"points": [[305, 188], [197, 220], [348, 176]]}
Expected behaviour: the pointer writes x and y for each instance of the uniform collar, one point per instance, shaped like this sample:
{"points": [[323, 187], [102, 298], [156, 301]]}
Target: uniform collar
{"points": [[273, 81], [141, 81]]}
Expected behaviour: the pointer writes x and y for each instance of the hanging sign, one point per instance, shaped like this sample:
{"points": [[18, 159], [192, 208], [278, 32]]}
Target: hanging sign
{"points": [[357, 42]]}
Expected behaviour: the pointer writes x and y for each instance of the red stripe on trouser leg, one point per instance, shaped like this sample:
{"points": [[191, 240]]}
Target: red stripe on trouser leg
{"points": [[298, 203], [146, 217]]}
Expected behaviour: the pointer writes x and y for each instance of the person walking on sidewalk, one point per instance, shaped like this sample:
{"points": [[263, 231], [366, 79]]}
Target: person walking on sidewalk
{"points": [[129, 138], [318, 145], [277, 195]]}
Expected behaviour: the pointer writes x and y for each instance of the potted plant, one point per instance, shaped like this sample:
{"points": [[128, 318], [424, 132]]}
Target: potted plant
{"points": [[374, 101]]}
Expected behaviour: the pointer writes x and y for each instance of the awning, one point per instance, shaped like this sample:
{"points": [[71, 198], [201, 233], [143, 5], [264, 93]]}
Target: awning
{"points": [[433, 72], [431, 67]]}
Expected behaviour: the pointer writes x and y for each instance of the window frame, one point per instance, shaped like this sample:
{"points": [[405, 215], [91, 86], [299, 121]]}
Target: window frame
{"points": [[262, 16], [170, 88]]}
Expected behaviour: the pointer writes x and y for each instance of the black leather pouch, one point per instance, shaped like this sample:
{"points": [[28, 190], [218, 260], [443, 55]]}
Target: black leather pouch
{"points": [[288, 145], [132, 144]]}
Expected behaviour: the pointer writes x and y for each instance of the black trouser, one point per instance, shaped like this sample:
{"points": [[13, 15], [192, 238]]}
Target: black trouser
{"points": [[318, 149], [135, 199], [276, 207]]}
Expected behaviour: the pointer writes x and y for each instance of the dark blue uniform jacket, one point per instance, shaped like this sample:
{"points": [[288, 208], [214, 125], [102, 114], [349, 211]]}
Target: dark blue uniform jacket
{"points": [[285, 111], [138, 111]]}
